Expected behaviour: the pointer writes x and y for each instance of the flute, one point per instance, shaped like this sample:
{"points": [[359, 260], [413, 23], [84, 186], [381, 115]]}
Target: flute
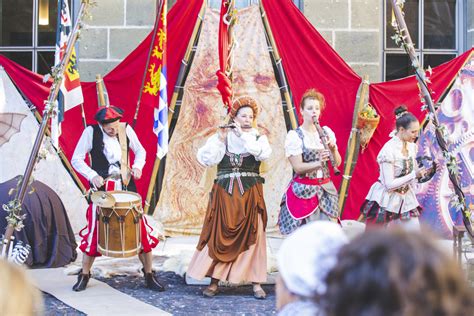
{"points": [[325, 140]]}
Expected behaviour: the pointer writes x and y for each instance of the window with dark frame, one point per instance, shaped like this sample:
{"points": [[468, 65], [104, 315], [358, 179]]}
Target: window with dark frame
{"points": [[28, 32], [433, 26]]}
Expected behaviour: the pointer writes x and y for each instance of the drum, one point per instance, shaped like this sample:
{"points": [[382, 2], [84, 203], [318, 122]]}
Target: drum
{"points": [[119, 225]]}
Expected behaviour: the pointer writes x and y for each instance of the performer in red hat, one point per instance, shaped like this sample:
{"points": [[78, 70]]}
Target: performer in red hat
{"points": [[109, 143]]}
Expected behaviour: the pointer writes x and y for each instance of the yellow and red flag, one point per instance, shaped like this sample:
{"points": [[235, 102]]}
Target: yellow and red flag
{"points": [[155, 85]]}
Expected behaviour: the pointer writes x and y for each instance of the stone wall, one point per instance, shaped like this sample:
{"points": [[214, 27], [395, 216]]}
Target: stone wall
{"points": [[354, 29], [114, 29]]}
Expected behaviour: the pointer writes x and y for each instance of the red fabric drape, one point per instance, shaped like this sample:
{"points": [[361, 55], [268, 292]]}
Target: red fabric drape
{"points": [[224, 84], [31, 84], [310, 62], [123, 85]]}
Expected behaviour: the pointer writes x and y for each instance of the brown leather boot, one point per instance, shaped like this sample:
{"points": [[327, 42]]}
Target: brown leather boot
{"points": [[82, 280], [152, 283]]}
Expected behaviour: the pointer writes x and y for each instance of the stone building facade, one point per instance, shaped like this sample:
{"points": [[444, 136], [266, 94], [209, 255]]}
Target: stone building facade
{"points": [[356, 29]]}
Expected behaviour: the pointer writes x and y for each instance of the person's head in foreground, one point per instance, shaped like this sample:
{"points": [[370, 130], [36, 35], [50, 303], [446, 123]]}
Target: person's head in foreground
{"points": [[394, 272], [304, 259], [17, 295]]}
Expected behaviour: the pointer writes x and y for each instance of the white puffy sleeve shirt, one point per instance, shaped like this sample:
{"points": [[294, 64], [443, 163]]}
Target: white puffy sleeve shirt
{"points": [[249, 142], [391, 163], [112, 152], [294, 145]]}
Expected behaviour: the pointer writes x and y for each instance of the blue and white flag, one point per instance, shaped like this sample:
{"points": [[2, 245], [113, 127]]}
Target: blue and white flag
{"points": [[158, 58]]}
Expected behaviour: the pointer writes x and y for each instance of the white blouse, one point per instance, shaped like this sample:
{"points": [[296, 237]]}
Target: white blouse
{"points": [[214, 150], [391, 163], [112, 151], [294, 145]]}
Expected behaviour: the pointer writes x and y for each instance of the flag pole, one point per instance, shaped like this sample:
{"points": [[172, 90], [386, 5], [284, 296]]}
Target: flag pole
{"points": [[159, 5], [13, 207], [174, 99]]}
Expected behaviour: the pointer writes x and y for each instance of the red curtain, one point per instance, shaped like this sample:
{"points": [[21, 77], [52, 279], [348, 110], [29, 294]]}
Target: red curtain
{"points": [[310, 62], [123, 85]]}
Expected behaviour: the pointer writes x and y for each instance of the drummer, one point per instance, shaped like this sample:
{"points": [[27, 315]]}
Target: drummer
{"points": [[110, 171]]}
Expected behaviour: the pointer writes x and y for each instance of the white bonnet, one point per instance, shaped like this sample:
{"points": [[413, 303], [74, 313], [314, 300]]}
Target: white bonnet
{"points": [[308, 254]]}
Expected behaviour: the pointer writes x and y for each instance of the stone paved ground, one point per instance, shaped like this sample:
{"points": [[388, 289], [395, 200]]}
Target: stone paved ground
{"points": [[54, 307], [181, 299]]}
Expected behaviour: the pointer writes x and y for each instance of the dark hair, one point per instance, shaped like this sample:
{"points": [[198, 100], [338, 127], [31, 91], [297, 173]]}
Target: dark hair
{"points": [[384, 272], [403, 117], [314, 95]]}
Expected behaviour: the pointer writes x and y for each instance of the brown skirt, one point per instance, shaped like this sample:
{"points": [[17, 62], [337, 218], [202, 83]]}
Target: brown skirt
{"points": [[231, 222], [250, 265], [232, 226]]}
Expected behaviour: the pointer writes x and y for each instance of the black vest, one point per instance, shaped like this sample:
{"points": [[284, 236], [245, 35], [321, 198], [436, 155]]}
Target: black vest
{"points": [[242, 170], [99, 162]]}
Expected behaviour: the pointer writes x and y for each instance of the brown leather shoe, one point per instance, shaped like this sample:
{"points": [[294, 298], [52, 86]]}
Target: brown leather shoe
{"points": [[210, 292], [259, 294]]}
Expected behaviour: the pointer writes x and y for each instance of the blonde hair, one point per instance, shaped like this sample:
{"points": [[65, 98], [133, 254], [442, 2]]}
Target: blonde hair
{"points": [[17, 295]]}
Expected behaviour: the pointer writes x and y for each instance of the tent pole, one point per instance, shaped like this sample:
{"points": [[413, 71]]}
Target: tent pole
{"points": [[353, 147], [403, 37], [284, 88], [177, 88]]}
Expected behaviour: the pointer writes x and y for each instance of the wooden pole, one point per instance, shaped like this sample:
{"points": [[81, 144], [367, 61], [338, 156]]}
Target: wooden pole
{"points": [[159, 5], [58, 73], [177, 88], [101, 91], [276, 55], [353, 147], [405, 39]]}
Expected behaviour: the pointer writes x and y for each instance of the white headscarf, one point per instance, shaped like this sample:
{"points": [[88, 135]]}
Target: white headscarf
{"points": [[308, 254]]}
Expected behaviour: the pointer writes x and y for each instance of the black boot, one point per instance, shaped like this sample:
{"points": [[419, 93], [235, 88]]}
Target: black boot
{"points": [[82, 280], [152, 282]]}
